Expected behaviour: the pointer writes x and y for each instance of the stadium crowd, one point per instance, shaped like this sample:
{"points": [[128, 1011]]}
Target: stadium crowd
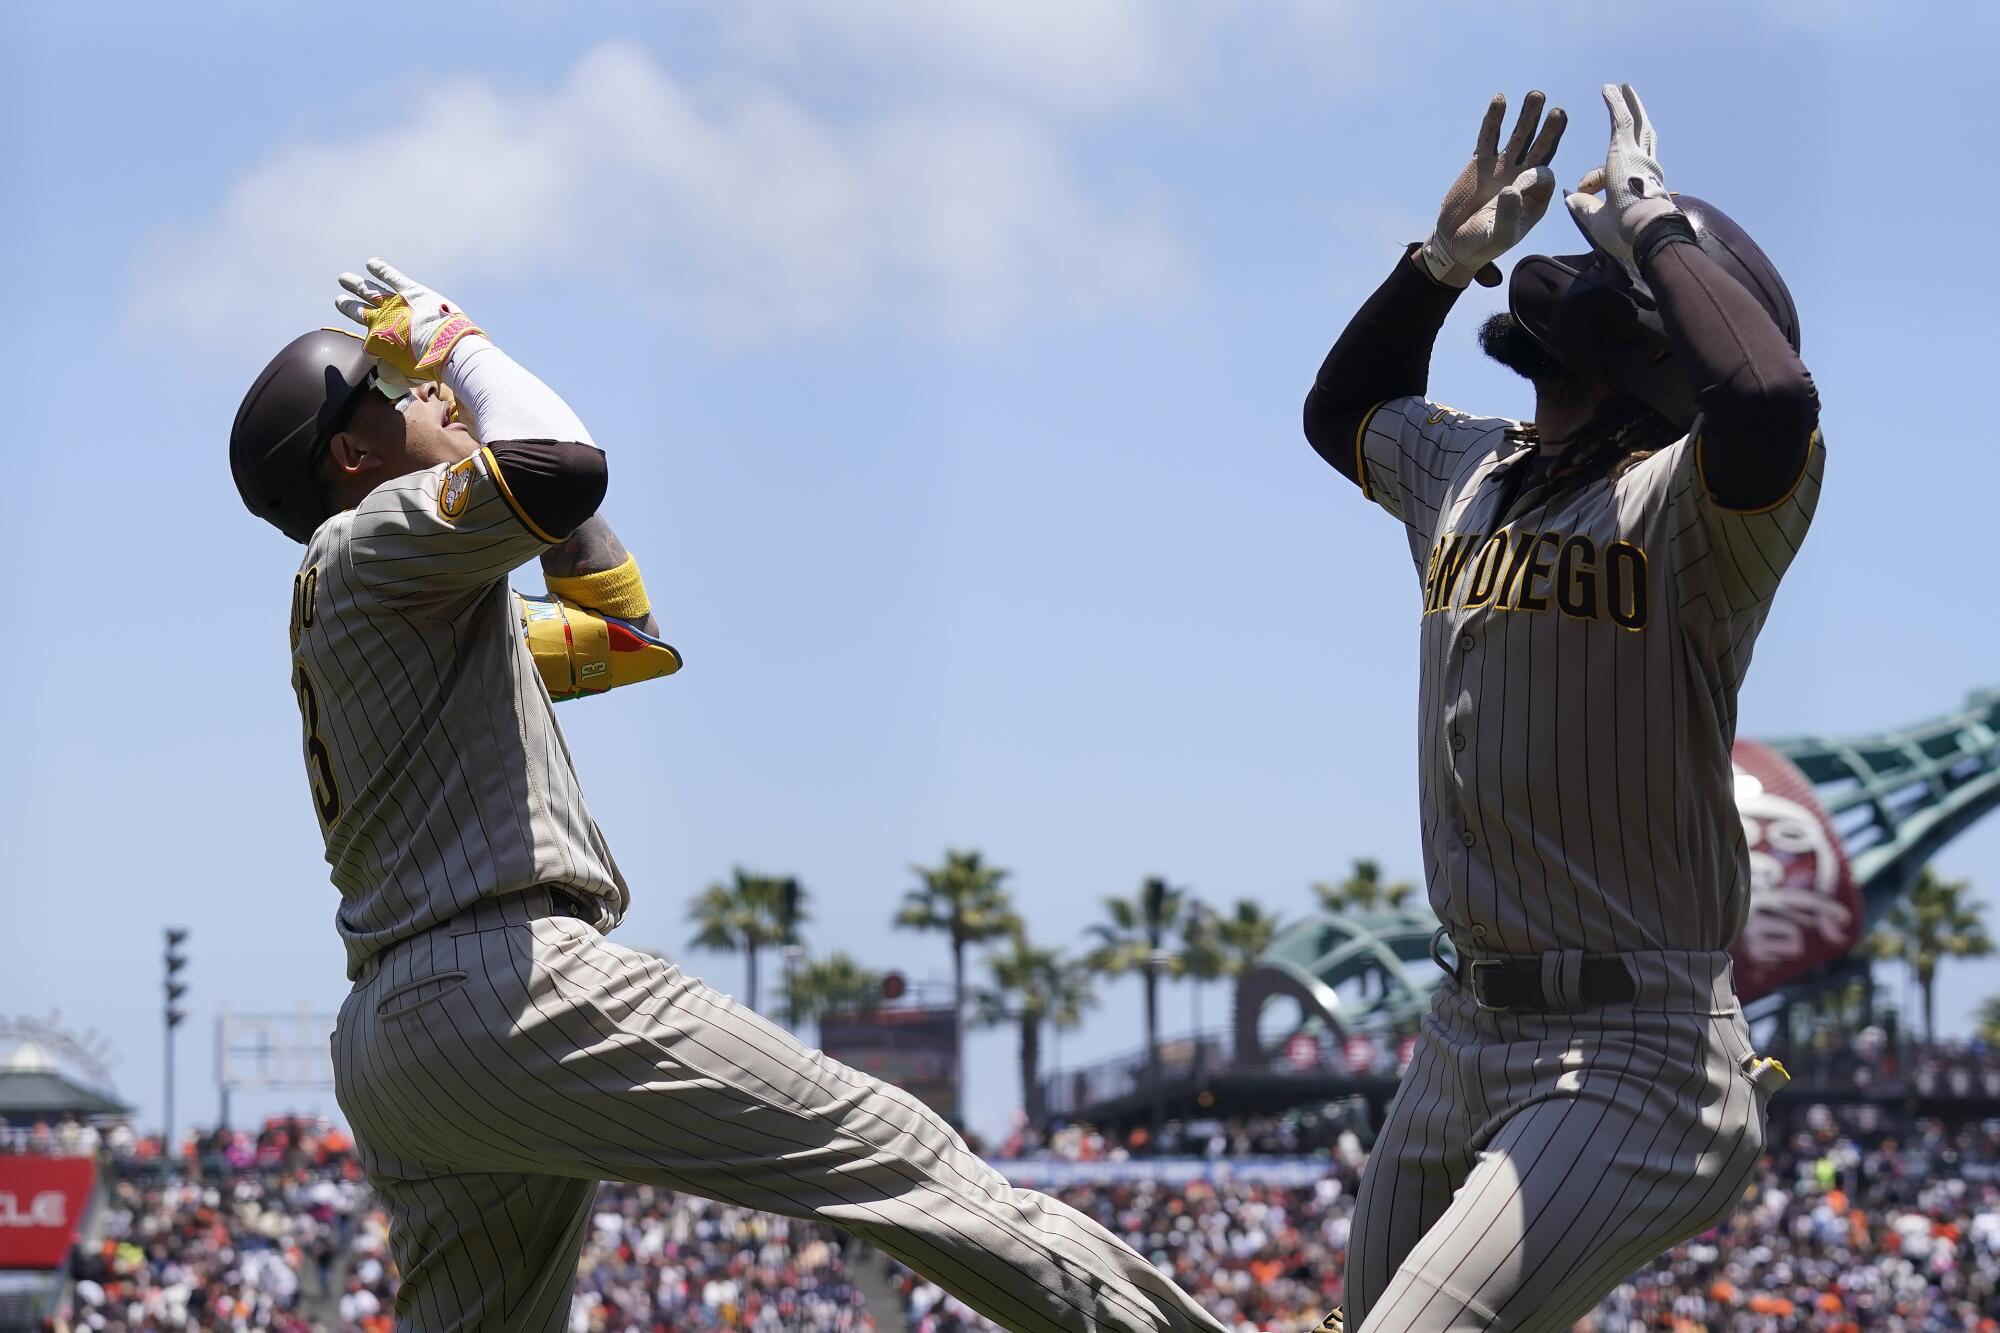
{"points": [[1328, 1132], [230, 1253], [1872, 1059], [657, 1261], [1861, 1217], [1858, 1219], [278, 1231], [67, 1137]]}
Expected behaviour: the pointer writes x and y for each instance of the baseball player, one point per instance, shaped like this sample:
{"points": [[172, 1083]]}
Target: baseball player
{"points": [[498, 1056], [1583, 1094]]}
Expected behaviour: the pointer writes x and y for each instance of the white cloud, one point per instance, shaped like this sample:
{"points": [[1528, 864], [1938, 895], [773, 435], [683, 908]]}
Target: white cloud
{"points": [[747, 209], [1073, 53], [1075, 57]]}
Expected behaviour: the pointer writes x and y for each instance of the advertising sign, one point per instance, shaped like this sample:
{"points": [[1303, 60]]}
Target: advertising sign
{"points": [[1302, 1051], [42, 1202], [914, 1049], [1805, 910]]}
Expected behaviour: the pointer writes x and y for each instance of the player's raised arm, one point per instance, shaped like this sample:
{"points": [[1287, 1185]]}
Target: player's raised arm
{"points": [[451, 498], [591, 568], [596, 630], [1385, 351], [1757, 404]]}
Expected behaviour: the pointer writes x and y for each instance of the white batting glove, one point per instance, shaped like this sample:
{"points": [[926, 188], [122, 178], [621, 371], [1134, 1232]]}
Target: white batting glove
{"points": [[1635, 190], [1498, 198], [411, 329], [390, 382]]}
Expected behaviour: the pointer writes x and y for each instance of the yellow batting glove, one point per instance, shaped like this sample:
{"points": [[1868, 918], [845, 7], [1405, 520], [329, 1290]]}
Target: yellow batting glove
{"points": [[411, 329]]}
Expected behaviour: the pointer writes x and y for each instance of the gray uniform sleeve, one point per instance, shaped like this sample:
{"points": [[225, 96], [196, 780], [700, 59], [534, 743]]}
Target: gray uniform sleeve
{"points": [[436, 534], [1729, 561], [1409, 452]]}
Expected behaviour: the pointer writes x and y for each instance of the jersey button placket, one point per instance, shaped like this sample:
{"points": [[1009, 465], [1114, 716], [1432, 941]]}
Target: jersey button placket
{"points": [[1457, 661]]}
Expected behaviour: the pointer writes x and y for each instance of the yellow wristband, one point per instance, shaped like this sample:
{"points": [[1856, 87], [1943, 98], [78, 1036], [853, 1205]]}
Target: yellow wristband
{"points": [[612, 592]]}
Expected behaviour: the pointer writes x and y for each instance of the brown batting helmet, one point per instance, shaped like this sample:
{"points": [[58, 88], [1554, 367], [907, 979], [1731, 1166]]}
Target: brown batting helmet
{"points": [[1595, 315], [292, 411]]}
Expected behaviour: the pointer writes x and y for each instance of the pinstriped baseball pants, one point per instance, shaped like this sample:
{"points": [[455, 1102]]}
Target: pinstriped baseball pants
{"points": [[495, 1069], [1531, 1162]]}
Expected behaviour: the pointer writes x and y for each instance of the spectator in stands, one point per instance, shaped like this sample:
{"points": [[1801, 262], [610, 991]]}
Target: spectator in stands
{"points": [[1859, 1218]]}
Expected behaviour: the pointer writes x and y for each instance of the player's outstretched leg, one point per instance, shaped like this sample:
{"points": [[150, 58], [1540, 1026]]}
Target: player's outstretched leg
{"points": [[1603, 1157], [1419, 1158], [546, 1049]]}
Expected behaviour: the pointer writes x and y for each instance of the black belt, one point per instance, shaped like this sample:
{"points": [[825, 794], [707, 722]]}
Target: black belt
{"points": [[1552, 983], [567, 902]]}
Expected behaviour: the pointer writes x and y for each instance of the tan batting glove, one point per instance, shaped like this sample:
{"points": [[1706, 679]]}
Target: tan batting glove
{"points": [[411, 329], [1635, 190], [1498, 198]]}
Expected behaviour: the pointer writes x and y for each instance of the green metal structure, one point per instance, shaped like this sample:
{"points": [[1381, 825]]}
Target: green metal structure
{"points": [[1368, 972], [1895, 797], [1899, 796]]}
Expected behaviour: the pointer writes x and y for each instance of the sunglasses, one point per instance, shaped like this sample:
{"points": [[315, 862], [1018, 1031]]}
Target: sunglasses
{"points": [[343, 413]]}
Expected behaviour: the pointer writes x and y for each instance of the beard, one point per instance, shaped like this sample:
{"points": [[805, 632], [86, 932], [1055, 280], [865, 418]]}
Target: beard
{"points": [[1502, 338]]}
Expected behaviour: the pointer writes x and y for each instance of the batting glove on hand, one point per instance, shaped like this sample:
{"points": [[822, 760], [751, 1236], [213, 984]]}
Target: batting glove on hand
{"points": [[1498, 198], [411, 329], [1635, 192]]}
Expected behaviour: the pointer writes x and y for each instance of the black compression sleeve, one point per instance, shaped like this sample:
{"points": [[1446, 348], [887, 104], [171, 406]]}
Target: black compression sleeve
{"points": [[557, 484], [1758, 404], [1384, 353]]}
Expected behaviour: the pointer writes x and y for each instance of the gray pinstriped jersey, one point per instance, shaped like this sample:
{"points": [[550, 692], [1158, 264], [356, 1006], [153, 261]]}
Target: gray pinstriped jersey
{"points": [[1580, 667], [437, 770]]}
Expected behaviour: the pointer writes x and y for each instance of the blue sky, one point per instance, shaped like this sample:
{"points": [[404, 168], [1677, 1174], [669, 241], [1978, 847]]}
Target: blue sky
{"points": [[949, 358]]}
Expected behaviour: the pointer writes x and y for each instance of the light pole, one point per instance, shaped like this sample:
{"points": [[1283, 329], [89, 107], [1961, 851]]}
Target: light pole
{"points": [[176, 960], [1157, 959]]}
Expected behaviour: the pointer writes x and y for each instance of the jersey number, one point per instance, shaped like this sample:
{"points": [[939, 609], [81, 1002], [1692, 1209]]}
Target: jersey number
{"points": [[319, 760]]}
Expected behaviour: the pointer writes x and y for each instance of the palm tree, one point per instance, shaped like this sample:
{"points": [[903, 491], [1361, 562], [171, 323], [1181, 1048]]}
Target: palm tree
{"points": [[962, 898], [1363, 890], [1132, 941], [1935, 920], [1032, 986], [1847, 1009], [835, 984], [1201, 954], [1241, 939], [749, 913], [1989, 1021]]}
